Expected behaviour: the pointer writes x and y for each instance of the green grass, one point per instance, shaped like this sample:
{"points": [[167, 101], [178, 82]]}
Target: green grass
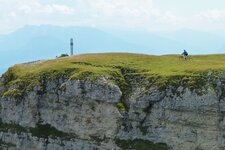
{"points": [[13, 92], [121, 107], [104, 64], [115, 65]]}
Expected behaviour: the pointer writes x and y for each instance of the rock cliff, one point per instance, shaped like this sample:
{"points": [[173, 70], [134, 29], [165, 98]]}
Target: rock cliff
{"points": [[60, 112]]}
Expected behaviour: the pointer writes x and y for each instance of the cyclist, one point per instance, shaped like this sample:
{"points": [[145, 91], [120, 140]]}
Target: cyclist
{"points": [[185, 55]]}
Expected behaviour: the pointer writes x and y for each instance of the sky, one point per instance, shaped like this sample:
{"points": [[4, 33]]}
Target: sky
{"points": [[147, 15]]}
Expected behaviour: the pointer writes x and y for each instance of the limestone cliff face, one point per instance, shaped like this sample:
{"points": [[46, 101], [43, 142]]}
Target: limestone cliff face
{"points": [[82, 114]]}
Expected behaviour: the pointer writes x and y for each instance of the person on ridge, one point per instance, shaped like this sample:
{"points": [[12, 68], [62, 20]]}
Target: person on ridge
{"points": [[185, 55]]}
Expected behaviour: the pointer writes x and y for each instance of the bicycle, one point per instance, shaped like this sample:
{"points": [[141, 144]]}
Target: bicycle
{"points": [[184, 57]]}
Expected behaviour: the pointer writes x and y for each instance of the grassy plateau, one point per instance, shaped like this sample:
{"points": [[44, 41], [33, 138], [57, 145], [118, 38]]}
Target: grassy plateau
{"points": [[116, 65]]}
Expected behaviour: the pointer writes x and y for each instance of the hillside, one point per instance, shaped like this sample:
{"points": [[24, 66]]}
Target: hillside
{"points": [[114, 101]]}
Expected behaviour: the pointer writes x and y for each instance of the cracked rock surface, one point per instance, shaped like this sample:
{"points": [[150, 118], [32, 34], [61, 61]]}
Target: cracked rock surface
{"points": [[79, 114]]}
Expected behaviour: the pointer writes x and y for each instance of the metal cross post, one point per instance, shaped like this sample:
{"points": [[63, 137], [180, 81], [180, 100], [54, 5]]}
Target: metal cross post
{"points": [[71, 46]]}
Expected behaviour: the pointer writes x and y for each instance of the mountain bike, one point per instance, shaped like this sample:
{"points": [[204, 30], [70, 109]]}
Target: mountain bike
{"points": [[184, 57]]}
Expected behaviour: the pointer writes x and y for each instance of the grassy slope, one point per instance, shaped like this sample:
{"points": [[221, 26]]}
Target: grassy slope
{"points": [[110, 64], [99, 63]]}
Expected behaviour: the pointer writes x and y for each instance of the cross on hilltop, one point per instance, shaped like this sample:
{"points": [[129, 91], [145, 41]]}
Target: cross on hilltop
{"points": [[71, 46]]}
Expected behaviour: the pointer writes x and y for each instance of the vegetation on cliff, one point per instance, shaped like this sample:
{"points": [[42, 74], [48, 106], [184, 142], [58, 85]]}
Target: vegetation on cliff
{"points": [[139, 144]]}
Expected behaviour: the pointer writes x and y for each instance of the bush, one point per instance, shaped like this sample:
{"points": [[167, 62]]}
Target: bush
{"points": [[46, 130], [63, 55], [139, 144]]}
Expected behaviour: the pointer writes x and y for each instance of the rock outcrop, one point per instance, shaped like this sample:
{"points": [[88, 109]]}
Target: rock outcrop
{"points": [[84, 114]]}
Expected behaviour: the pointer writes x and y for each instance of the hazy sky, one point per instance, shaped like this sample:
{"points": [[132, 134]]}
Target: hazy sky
{"points": [[124, 14]]}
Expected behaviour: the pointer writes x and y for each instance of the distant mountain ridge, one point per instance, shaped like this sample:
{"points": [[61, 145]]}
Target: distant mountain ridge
{"points": [[43, 42]]}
